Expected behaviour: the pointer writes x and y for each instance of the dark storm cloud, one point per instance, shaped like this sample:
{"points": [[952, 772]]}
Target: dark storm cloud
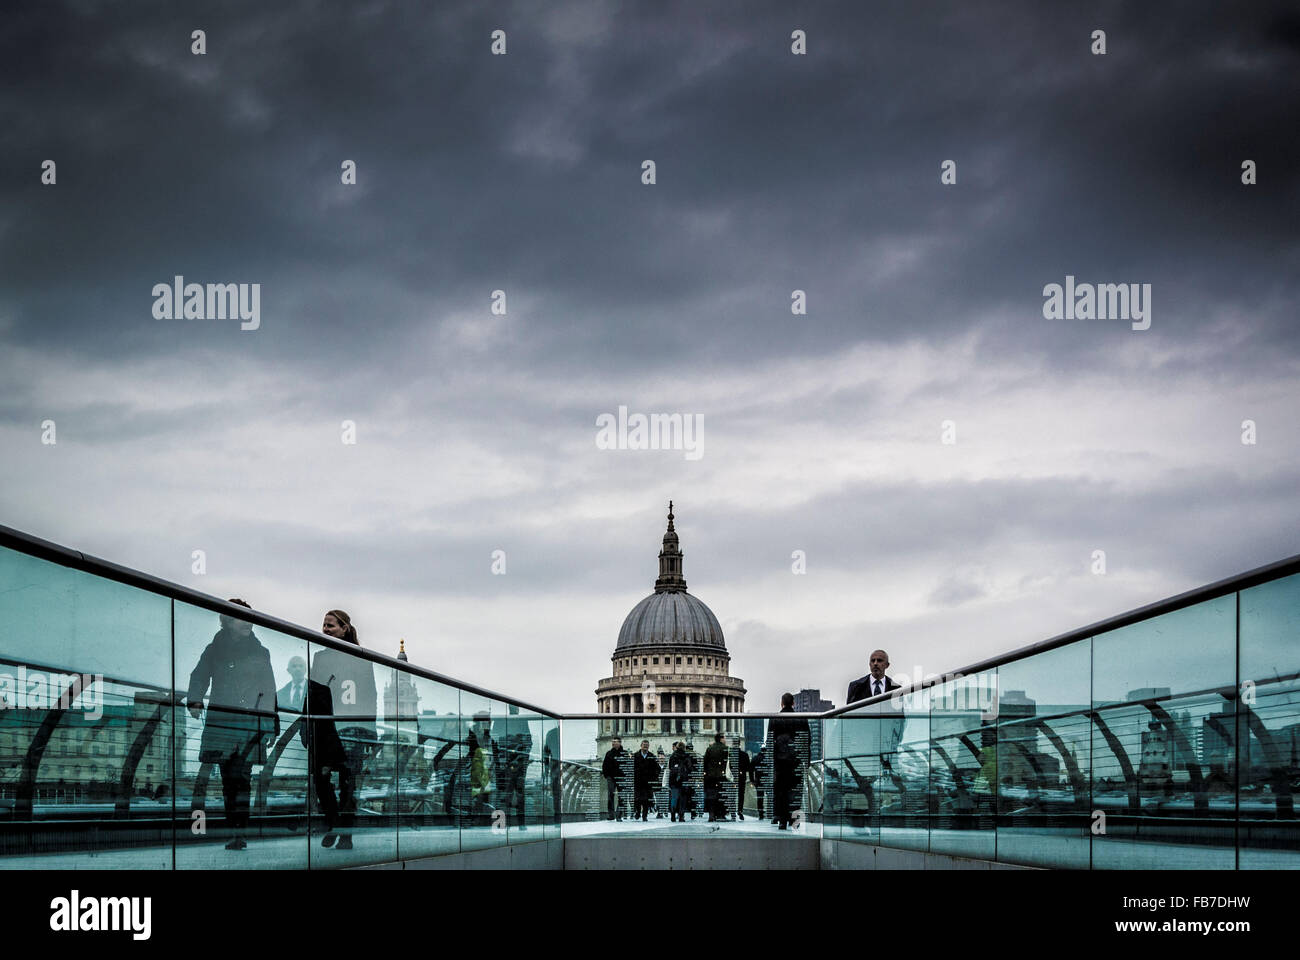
{"points": [[775, 172], [521, 172]]}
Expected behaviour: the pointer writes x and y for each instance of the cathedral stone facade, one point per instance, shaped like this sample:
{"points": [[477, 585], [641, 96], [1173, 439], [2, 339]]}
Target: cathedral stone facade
{"points": [[670, 658]]}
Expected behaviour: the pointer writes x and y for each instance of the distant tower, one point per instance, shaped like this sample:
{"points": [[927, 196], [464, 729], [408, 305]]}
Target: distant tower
{"points": [[401, 699]]}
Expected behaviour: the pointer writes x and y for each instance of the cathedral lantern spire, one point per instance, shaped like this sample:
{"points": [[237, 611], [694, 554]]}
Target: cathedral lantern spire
{"points": [[670, 561]]}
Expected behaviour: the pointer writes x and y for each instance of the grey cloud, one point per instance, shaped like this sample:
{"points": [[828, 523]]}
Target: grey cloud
{"points": [[953, 592]]}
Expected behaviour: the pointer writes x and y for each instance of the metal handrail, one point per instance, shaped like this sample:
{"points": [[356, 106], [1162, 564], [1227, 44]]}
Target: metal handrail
{"points": [[64, 556], [1220, 588]]}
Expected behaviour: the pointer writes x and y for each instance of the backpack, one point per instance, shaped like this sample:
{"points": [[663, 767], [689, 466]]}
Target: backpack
{"points": [[784, 752], [678, 771]]}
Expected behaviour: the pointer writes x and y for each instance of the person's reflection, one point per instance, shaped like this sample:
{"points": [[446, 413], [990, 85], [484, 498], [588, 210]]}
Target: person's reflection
{"points": [[758, 776], [552, 768], [446, 776], [241, 721], [963, 804], [324, 754], [292, 694], [516, 748], [354, 700], [481, 751]]}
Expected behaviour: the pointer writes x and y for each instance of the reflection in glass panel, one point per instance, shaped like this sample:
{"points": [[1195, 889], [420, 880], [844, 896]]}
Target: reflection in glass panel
{"points": [[356, 755], [900, 795], [1044, 758], [479, 788], [82, 623], [519, 767], [1165, 807], [1186, 651], [1158, 686], [834, 789], [85, 736], [964, 766], [581, 782], [814, 794], [552, 783], [1267, 727], [240, 766], [868, 771], [429, 725]]}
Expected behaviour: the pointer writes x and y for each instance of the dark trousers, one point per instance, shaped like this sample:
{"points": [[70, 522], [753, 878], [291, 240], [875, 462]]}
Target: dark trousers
{"points": [[613, 796], [713, 804], [512, 794], [340, 810], [641, 804], [555, 797], [236, 788], [330, 802], [783, 787]]}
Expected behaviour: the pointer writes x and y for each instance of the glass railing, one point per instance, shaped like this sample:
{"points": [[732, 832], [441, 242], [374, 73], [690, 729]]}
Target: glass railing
{"points": [[144, 726], [147, 726], [1169, 738]]}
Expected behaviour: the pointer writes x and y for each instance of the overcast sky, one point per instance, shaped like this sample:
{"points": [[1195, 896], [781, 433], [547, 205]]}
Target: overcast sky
{"points": [[775, 172]]}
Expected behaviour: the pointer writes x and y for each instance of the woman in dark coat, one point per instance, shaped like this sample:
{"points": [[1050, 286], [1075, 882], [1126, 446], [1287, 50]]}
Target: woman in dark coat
{"points": [[241, 719], [354, 698]]}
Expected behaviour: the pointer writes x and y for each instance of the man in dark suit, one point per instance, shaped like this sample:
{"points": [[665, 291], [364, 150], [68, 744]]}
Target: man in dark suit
{"points": [[645, 777], [874, 682], [715, 772], [292, 694], [611, 769]]}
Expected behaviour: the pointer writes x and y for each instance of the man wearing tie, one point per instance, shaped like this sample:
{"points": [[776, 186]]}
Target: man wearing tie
{"points": [[874, 682], [290, 696]]}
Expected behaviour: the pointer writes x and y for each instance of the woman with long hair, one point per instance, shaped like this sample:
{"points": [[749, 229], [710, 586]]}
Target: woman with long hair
{"points": [[354, 701]]}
